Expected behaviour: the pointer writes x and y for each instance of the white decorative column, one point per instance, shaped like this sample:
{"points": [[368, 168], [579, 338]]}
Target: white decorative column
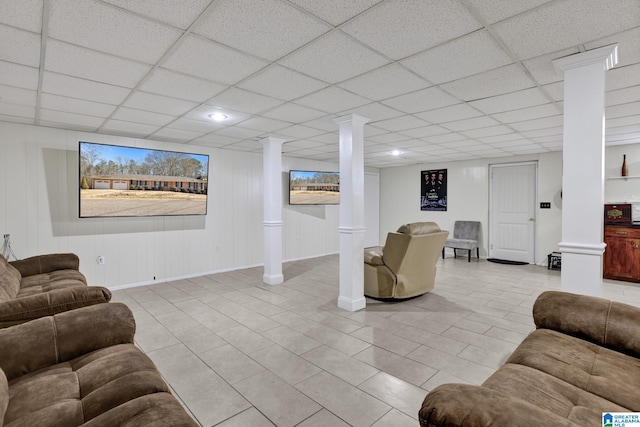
{"points": [[583, 168], [272, 196], [351, 227]]}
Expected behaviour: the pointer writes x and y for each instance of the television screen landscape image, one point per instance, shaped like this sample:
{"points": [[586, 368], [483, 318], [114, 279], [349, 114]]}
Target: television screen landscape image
{"points": [[129, 181], [314, 188]]}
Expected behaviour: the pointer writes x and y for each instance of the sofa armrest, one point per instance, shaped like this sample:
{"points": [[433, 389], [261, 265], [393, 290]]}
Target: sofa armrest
{"points": [[611, 324], [463, 405], [373, 256], [22, 309], [54, 339], [46, 264]]}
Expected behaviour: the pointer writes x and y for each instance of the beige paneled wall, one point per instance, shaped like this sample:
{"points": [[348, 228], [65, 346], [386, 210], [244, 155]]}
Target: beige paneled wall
{"points": [[39, 208]]}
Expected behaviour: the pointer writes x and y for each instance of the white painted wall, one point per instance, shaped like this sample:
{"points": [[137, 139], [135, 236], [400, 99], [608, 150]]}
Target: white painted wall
{"points": [[39, 208], [468, 198]]}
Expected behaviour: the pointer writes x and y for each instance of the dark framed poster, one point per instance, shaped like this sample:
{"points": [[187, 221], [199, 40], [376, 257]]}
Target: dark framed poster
{"points": [[433, 190]]}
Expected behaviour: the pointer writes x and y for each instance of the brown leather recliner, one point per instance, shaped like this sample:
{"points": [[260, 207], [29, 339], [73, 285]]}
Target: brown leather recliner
{"points": [[44, 285], [406, 266]]}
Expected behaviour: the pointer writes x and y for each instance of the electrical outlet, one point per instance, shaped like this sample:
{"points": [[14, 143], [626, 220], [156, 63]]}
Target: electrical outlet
{"points": [[100, 260]]}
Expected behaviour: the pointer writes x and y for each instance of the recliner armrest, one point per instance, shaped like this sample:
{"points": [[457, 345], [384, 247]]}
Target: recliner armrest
{"points": [[22, 309], [373, 256], [46, 264], [54, 339], [608, 323], [463, 405]]}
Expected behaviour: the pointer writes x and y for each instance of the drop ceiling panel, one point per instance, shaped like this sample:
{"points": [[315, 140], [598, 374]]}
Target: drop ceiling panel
{"points": [[60, 84], [237, 132], [449, 114], [20, 47], [622, 110], [387, 138], [294, 113], [176, 85], [511, 101], [493, 11], [196, 125], [299, 132], [402, 123], [623, 96], [335, 12], [547, 122], [445, 137], [264, 124], [474, 53], [17, 110], [319, 58], [140, 116], [425, 131], [621, 77], [423, 24], [78, 106], [76, 61], [467, 124], [332, 99], [542, 69], [554, 27], [158, 103], [375, 112], [282, 83], [102, 27], [272, 29], [18, 75], [128, 128], [179, 13], [245, 101], [422, 100], [491, 83], [18, 96], [487, 131], [385, 82], [25, 14], [203, 58], [61, 117], [173, 134], [530, 113]]}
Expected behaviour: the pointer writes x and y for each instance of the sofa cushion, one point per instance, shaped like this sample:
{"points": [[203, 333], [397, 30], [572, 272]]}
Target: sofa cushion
{"points": [[9, 280], [550, 394], [71, 393], [419, 228], [582, 364], [54, 280], [4, 395], [461, 244]]}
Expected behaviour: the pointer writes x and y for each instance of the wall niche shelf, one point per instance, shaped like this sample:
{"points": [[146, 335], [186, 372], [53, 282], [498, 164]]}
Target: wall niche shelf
{"points": [[624, 177]]}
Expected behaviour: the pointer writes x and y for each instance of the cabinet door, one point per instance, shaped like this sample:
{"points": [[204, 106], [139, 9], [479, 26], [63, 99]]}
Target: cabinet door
{"points": [[620, 258]]}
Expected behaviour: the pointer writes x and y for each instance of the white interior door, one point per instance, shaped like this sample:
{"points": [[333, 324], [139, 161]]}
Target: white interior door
{"points": [[512, 212], [371, 209]]}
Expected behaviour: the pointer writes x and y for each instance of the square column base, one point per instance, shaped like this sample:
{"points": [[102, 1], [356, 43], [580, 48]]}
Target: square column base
{"points": [[351, 305]]}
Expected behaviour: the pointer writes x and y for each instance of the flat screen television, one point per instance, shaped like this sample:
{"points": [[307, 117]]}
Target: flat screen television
{"points": [[314, 188], [117, 181]]}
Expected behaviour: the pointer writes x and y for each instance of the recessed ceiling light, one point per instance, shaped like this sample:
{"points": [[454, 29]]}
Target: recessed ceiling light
{"points": [[218, 117], [396, 152]]}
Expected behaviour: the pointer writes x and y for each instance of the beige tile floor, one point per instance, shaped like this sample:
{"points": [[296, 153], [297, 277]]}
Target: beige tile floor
{"points": [[238, 352]]}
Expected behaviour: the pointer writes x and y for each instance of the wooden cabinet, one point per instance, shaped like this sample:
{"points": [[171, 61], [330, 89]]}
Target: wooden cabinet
{"points": [[622, 254]]}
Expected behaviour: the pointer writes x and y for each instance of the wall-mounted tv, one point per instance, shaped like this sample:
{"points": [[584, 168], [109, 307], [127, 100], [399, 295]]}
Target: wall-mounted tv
{"points": [[314, 188], [119, 181]]}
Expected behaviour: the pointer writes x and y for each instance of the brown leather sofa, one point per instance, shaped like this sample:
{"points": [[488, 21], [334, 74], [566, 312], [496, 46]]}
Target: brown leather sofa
{"points": [[81, 368], [44, 285], [406, 266], [583, 359]]}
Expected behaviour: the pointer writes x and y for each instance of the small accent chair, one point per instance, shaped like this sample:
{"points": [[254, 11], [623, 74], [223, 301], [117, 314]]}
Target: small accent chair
{"points": [[465, 236], [406, 266]]}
